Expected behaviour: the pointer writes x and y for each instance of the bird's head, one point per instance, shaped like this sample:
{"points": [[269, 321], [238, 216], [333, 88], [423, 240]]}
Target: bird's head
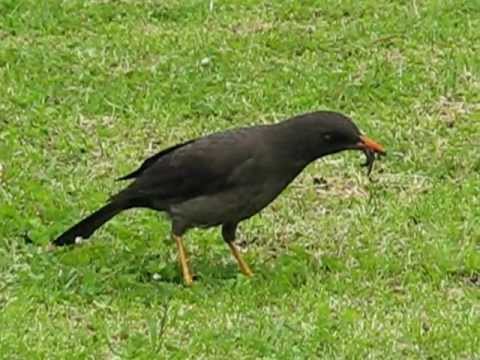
{"points": [[324, 132]]}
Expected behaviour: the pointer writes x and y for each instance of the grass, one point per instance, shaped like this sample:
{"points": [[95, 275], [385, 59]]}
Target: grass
{"points": [[345, 268]]}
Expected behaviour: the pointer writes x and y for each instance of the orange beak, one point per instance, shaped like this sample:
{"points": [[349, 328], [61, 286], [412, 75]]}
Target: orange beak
{"points": [[368, 144]]}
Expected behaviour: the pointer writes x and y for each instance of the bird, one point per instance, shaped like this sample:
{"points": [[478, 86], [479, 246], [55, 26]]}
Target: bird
{"points": [[226, 177]]}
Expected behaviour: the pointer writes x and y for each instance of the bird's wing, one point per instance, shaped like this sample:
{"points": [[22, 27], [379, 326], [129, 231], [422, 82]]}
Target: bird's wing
{"points": [[151, 160], [202, 167]]}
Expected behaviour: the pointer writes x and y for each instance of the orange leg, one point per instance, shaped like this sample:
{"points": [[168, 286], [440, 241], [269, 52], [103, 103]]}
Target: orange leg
{"points": [[182, 258], [244, 268]]}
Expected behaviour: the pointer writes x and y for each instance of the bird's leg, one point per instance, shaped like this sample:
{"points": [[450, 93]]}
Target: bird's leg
{"points": [[244, 268], [182, 258], [228, 232]]}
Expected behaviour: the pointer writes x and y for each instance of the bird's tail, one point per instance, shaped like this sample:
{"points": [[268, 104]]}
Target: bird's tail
{"points": [[85, 228]]}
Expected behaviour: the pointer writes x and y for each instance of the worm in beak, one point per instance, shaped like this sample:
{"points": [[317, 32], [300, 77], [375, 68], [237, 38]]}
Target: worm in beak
{"points": [[371, 149]]}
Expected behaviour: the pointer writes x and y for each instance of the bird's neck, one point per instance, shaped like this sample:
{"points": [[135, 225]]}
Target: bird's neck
{"points": [[295, 144]]}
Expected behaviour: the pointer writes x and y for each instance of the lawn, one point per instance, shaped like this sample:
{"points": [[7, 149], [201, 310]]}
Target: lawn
{"points": [[345, 267]]}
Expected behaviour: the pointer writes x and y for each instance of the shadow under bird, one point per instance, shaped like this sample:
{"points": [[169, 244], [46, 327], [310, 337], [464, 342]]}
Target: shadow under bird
{"points": [[227, 177]]}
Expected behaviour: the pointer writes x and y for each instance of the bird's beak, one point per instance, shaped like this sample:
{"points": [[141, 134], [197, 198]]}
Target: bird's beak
{"points": [[369, 145]]}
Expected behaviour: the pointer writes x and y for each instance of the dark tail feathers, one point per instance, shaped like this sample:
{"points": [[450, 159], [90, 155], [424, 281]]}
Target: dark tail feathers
{"points": [[85, 228]]}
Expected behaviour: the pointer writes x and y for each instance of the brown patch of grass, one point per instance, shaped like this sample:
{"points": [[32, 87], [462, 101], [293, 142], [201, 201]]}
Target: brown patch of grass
{"points": [[338, 186], [251, 27], [449, 110]]}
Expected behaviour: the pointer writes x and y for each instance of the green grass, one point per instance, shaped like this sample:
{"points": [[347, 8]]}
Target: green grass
{"points": [[354, 269]]}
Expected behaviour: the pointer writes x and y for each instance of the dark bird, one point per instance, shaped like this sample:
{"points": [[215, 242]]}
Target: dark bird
{"points": [[227, 177]]}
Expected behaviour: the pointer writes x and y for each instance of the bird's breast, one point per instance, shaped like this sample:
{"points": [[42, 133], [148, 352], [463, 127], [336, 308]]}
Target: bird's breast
{"points": [[229, 206]]}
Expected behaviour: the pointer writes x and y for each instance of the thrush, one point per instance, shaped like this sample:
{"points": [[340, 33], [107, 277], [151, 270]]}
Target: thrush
{"points": [[227, 177]]}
